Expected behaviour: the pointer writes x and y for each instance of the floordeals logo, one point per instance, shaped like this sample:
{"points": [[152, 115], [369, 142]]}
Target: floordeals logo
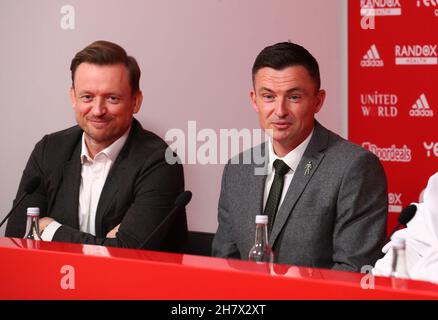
{"points": [[382, 105], [372, 58], [380, 8], [416, 55], [421, 108], [390, 154]]}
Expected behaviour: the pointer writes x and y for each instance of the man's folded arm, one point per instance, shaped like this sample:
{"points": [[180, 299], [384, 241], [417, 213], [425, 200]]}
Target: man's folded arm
{"points": [[156, 189]]}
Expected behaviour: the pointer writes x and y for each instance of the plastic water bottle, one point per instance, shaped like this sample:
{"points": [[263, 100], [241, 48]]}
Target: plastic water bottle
{"points": [[399, 267], [261, 251], [32, 225]]}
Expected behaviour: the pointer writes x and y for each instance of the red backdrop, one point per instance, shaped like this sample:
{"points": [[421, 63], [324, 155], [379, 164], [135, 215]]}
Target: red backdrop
{"points": [[393, 91]]}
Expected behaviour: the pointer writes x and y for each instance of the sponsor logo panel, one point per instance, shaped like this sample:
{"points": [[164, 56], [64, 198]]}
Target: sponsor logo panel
{"points": [[391, 153], [421, 108], [431, 5], [431, 149], [383, 105], [395, 202], [380, 8], [372, 59], [416, 54]]}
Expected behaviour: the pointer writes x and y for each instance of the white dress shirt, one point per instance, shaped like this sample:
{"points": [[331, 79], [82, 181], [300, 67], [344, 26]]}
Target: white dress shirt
{"points": [[93, 176], [421, 236], [292, 159]]}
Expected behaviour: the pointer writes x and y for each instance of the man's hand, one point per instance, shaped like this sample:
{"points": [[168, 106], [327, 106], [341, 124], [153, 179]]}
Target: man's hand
{"points": [[44, 222], [112, 233]]}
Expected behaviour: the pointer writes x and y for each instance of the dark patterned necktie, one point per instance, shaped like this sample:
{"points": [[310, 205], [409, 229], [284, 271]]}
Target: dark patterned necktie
{"points": [[274, 197]]}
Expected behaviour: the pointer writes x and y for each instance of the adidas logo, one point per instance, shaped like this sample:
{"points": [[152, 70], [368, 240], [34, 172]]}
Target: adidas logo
{"points": [[372, 58], [421, 108]]}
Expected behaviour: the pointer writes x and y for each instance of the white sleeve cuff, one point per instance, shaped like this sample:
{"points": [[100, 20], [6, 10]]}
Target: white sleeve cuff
{"points": [[50, 230]]}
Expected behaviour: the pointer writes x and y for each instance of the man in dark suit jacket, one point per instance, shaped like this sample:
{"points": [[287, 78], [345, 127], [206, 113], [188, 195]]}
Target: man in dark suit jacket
{"points": [[105, 181], [332, 203]]}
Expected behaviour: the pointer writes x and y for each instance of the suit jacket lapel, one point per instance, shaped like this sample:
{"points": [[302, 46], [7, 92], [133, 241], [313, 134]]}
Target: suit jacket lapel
{"points": [[301, 178], [114, 179], [257, 181], [108, 194]]}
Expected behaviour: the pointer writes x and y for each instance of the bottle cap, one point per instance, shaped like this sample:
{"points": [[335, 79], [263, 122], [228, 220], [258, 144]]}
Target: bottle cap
{"points": [[398, 242], [33, 211], [262, 219]]}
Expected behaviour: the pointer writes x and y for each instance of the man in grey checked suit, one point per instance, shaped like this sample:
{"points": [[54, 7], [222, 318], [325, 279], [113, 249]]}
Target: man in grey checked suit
{"points": [[332, 212]]}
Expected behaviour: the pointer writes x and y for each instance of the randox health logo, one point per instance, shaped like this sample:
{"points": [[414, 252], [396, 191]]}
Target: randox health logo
{"points": [[416, 54], [380, 8], [372, 58], [395, 202]]}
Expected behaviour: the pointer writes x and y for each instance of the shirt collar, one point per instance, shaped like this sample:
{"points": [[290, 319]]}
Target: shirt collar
{"points": [[293, 158], [111, 152]]}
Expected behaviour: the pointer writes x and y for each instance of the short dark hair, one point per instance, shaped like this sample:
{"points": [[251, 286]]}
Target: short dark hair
{"points": [[107, 53], [287, 54]]}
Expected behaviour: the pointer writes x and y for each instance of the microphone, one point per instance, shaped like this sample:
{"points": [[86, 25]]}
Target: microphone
{"points": [[405, 216], [29, 188], [183, 199], [156, 236]]}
